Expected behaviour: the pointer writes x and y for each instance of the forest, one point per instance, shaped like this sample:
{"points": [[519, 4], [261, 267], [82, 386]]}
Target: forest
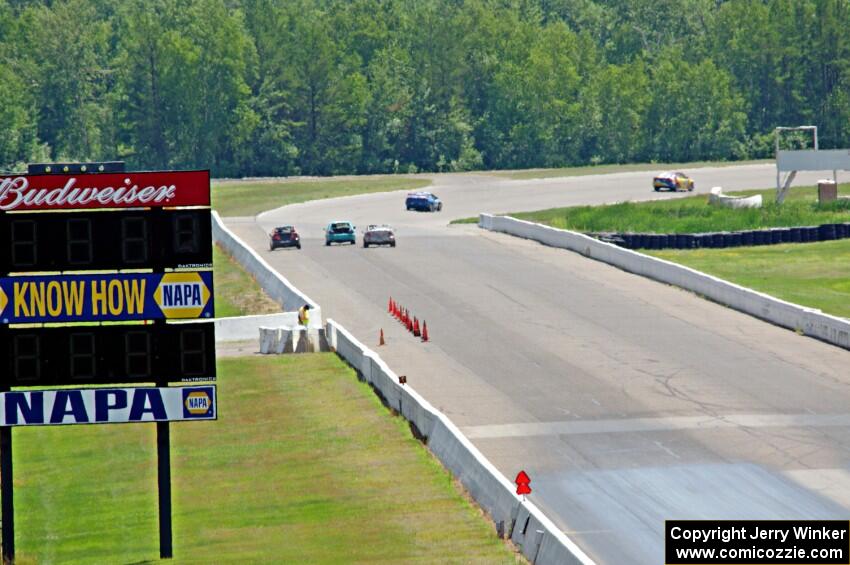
{"points": [[324, 87]]}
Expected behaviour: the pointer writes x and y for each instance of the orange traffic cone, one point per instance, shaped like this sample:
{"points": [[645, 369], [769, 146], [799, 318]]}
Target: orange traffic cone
{"points": [[409, 324], [381, 340], [390, 305], [416, 331], [424, 331]]}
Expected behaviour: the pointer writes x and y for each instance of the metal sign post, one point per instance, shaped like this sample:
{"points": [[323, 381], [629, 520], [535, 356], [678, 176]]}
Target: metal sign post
{"points": [[8, 510], [163, 475]]}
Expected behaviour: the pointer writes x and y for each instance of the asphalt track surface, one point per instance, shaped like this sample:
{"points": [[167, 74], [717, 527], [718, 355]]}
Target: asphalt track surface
{"points": [[627, 401]]}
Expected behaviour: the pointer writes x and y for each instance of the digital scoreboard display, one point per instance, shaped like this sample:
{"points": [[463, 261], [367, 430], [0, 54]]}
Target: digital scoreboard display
{"points": [[92, 355], [95, 240]]}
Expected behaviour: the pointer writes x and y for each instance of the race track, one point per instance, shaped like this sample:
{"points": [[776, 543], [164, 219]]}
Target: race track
{"points": [[628, 402]]}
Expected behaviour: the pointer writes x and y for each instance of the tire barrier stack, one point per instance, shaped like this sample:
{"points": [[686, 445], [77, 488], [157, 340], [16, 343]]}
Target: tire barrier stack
{"points": [[536, 536], [241, 328], [810, 321], [720, 240]]}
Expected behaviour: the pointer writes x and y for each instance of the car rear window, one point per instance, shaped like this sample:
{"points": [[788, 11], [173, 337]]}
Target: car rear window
{"points": [[341, 228]]}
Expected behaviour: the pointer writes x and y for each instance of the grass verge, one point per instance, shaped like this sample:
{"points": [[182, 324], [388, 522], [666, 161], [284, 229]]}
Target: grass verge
{"points": [[248, 198], [816, 275], [606, 169], [693, 214], [236, 293], [304, 465]]}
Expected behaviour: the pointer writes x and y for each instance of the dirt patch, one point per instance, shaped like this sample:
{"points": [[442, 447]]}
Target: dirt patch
{"points": [[237, 348]]}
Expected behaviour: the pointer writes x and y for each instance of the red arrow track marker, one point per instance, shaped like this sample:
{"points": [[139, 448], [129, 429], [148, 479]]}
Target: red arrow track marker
{"points": [[522, 481]]}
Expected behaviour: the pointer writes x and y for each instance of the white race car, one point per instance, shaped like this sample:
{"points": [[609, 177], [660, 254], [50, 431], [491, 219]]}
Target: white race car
{"points": [[379, 235]]}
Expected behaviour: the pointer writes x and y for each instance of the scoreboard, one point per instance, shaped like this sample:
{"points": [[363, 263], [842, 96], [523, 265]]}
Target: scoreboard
{"points": [[105, 278], [98, 355], [105, 248]]}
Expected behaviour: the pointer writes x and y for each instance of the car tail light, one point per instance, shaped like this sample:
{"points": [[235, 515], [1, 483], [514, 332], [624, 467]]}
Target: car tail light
{"points": [[276, 237]]}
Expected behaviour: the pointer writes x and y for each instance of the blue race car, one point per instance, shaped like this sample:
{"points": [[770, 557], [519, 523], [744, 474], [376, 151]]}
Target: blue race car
{"points": [[339, 232], [423, 201]]}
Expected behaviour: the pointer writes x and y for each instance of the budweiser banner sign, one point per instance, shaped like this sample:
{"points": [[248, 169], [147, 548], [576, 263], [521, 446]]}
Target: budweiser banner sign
{"points": [[113, 190]]}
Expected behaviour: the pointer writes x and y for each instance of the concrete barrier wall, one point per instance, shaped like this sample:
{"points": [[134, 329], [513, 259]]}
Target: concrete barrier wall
{"points": [[810, 321], [521, 520], [275, 285], [240, 328]]}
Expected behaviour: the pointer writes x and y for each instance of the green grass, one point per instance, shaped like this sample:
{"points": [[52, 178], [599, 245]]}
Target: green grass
{"points": [[693, 214], [236, 293], [248, 198], [304, 465], [816, 275], [605, 169]]}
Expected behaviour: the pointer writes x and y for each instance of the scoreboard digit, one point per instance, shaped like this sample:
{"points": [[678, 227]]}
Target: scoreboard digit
{"points": [[99, 355]]}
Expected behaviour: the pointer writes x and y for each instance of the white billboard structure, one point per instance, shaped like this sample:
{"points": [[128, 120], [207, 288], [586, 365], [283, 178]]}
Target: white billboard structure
{"points": [[792, 161]]}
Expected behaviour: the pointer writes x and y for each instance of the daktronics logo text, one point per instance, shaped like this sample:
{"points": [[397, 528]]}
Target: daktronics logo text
{"points": [[125, 190]]}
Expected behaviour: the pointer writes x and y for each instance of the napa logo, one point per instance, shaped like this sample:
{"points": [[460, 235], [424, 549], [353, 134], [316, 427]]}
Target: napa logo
{"points": [[182, 295], [198, 402]]}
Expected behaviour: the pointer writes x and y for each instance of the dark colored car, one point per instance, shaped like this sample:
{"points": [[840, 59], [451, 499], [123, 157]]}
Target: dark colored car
{"points": [[423, 201], [284, 236], [379, 235]]}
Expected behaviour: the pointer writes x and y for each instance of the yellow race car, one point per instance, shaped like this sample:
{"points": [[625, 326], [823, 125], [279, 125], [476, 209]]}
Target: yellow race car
{"points": [[673, 181]]}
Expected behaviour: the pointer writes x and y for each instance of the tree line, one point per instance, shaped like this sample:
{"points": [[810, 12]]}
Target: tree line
{"points": [[320, 87]]}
